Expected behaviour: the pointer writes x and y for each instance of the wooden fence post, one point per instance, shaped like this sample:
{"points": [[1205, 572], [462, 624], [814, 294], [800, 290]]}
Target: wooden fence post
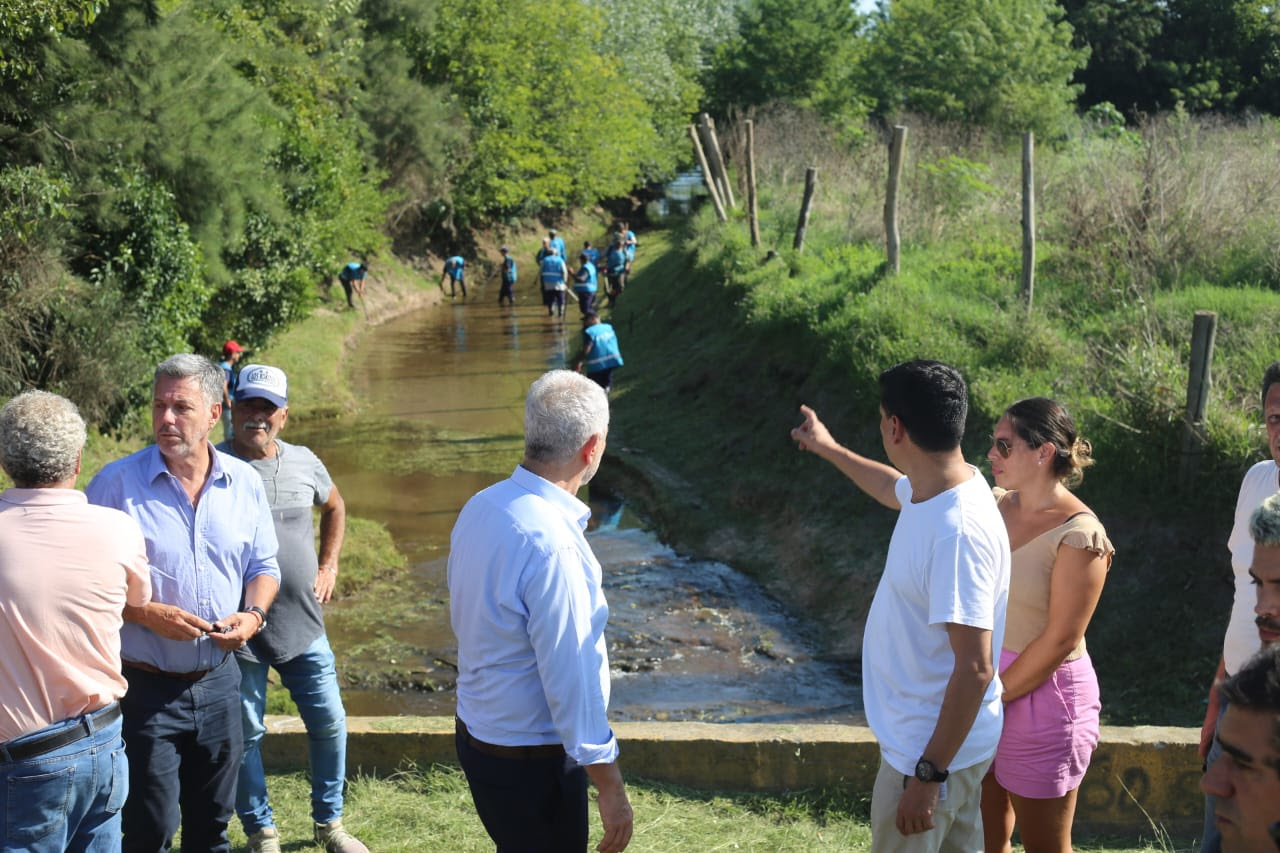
{"points": [[707, 177], [810, 183], [716, 157], [752, 214], [892, 240], [1028, 219], [1203, 332]]}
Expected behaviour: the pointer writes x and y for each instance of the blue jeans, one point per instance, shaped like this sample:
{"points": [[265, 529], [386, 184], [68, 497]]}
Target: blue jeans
{"points": [[67, 799], [312, 682], [184, 744]]}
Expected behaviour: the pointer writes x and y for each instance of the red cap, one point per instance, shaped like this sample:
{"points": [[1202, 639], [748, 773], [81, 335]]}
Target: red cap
{"points": [[231, 346]]}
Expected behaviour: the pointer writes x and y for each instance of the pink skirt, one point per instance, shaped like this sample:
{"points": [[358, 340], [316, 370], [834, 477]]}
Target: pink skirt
{"points": [[1050, 733]]}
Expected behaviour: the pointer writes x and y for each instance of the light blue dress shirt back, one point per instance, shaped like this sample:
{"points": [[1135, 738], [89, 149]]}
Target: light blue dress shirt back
{"points": [[529, 613], [201, 557]]}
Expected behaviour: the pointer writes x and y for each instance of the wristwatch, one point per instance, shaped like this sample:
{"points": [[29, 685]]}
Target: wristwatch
{"points": [[262, 615], [927, 771]]}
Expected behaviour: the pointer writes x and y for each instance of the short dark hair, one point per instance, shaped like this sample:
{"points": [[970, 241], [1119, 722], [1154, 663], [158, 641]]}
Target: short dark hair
{"points": [[1256, 687], [1270, 377], [931, 401]]}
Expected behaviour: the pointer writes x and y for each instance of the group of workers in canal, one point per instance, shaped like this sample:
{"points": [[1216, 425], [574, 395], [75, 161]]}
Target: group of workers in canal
{"points": [[554, 277]]}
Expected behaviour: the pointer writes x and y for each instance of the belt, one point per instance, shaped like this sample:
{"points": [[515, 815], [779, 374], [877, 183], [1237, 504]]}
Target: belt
{"points": [[42, 745], [194, 675], [515, 753]]}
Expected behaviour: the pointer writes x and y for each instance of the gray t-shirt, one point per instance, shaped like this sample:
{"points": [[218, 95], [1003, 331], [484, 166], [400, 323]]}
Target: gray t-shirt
{"points": [[295, 479]]}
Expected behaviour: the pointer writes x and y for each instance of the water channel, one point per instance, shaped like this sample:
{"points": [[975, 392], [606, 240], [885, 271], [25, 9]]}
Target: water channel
{"points": [[442, 391]]}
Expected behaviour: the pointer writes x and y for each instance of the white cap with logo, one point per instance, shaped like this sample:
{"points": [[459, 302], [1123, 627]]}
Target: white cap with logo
{"points": [[259, 380]]}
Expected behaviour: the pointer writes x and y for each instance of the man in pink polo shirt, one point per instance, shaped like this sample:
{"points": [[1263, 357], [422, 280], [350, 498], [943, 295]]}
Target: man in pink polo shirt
{"points": [[67, 569]]}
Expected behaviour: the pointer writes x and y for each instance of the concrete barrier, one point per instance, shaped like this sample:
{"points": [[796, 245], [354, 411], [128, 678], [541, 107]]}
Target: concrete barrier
{"points": [[1139, 776]]}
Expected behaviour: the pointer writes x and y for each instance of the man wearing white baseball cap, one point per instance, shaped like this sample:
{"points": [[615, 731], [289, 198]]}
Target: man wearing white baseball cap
{"points": [[294, 642]]}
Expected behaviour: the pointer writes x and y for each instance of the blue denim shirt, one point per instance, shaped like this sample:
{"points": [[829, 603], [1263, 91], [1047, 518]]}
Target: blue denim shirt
{"points": [[201, 557]]}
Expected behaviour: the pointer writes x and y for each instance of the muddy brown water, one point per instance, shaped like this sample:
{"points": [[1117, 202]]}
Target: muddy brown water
{"points": [[442, 393]]}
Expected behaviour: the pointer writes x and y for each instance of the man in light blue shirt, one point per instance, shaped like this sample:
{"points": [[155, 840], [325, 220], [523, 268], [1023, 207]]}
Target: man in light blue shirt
{"points": [[211, 545], [529, 613]]}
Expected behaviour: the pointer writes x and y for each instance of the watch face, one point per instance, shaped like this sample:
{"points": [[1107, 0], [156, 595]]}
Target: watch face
{"points": [[925, 770]]}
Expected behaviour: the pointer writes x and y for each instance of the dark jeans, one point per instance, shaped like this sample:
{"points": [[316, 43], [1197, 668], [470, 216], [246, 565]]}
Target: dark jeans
{"points": [[527, 805], [554, 300], [184, 741], [507, 293], [617, 283], [587, 302], [603, 378]]}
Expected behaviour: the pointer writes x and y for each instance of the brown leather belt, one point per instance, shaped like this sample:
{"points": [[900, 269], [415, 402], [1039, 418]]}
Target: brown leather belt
{"points": [[42, 745], [514, 753], [194, 675]]}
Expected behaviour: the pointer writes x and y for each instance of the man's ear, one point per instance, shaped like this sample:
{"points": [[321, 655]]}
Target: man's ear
{"points": [[590, 447], [897, 432]]}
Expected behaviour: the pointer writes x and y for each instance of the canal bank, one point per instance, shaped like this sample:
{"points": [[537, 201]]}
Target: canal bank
{"points": [[1158, 767], [1140, 776], [440, 393]]}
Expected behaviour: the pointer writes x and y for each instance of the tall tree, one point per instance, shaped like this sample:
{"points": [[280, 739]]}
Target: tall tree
{"points": [[1125, 66], [554, 123], [663, 48], [1223, 54], [1004, 64], [26, 25], [801, 52]]}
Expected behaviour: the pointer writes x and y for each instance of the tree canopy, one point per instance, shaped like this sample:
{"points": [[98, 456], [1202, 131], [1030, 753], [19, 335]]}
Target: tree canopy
{"points": [[1005, 64], [194, 170]]}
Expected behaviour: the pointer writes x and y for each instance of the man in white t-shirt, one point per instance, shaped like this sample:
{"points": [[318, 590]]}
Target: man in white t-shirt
{"points": [[1241, 640], [930, 686]]}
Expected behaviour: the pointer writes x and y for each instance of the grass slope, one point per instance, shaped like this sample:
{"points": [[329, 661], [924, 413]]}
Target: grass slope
{"points": [[702, 412]]}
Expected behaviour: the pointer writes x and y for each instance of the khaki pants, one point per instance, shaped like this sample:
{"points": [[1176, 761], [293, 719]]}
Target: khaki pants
{"points": [[957, 824]]}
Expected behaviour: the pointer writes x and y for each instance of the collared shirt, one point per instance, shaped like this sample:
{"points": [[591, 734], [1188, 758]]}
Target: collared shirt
{"points": [[528, 610], [201, 557], [66, 571]]}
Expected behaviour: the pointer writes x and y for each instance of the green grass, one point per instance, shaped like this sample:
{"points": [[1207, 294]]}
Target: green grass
{"points": [[722, 349], [429, 809]]}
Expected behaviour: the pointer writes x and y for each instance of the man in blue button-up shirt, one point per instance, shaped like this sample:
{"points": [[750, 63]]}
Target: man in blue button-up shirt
{"points": [[528, 610], [211, 545]]}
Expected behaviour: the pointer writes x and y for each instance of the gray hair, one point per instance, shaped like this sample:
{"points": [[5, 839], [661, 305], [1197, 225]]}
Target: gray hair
{"points": [[563, 410], [1264, 524], [208, 376], [41, 436]]}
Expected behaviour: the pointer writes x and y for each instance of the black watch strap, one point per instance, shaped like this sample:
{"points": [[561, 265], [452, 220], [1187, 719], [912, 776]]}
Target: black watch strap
{"points": [[927, 771], [262, 616]]}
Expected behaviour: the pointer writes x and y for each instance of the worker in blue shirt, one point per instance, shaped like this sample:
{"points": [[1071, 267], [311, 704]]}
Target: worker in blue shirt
{"points": [[557, 242], [352, 278], [453, 271], [616, 266], [553, 273], [584, 285], [507, 274], [600, 353]]}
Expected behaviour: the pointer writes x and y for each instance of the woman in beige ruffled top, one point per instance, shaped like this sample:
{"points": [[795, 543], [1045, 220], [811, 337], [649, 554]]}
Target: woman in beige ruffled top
{"points": [[1061, 556]]}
